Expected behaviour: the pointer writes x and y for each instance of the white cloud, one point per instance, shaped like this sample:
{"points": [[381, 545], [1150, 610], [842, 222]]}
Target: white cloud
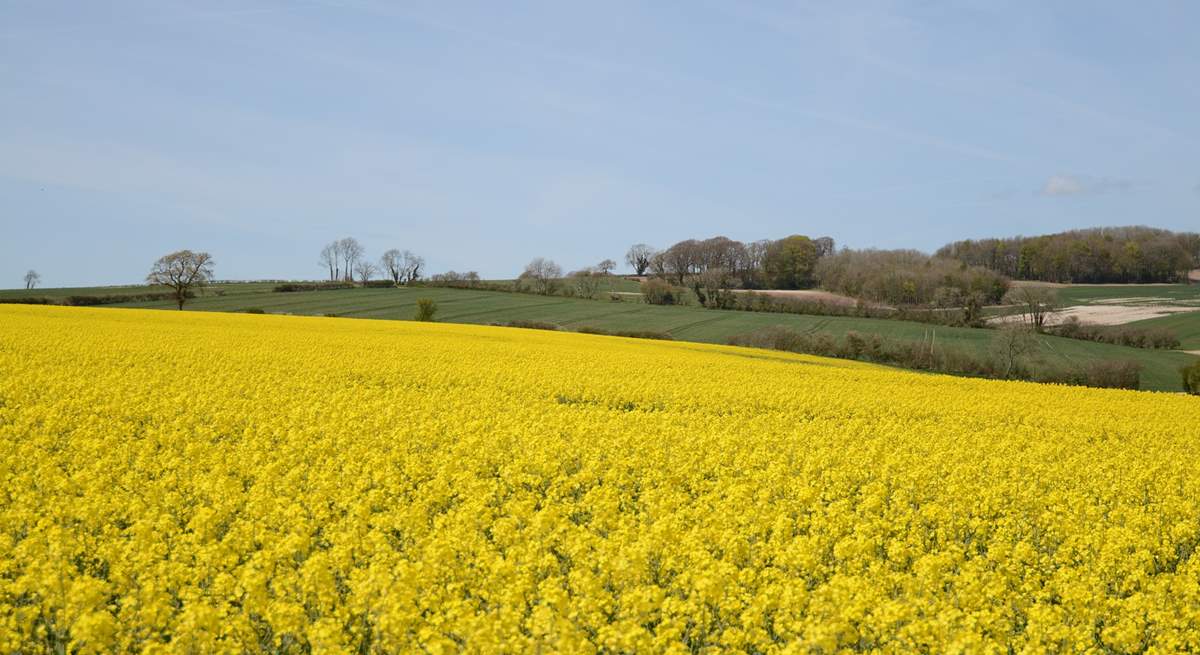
{"points": [[1063, 184]]}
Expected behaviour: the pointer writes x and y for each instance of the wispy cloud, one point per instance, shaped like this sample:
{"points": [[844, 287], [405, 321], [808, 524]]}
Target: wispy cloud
{"points": [[1064, 184]]}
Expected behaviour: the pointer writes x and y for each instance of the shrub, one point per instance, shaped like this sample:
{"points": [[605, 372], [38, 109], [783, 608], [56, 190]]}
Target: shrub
{"points": [[28, 300], [253, 310], [426, 308], [656, 291], [1191, 378], [1113, 374]]}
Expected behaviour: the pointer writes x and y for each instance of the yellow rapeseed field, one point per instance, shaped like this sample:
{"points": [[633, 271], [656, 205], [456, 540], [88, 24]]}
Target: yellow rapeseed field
{"points": [[199, 483]]}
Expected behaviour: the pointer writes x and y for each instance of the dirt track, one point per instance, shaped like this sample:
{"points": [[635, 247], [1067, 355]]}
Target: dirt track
{"points": [[1106, 314]]}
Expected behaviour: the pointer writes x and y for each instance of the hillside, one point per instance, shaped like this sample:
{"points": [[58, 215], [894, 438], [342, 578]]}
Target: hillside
{"points": [[1160, 369], [229, 483]]}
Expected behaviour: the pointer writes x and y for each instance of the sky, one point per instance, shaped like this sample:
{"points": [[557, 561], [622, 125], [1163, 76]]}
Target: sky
{"points": [[481, 135]]}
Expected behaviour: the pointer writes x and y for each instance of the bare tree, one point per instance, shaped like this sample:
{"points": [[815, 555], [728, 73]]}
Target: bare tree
{"points": [[411, 266], [586, 282], [825, 246], [330, 258], [32, 279], [1011, 343], [1036, 304], [350, 251], [542, 274], [182, 271], [639, 257], [365, 270], [606, 267], [392, 263]]}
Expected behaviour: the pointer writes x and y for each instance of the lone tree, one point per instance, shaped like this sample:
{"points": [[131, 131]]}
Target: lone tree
{"points": [[32, 279], [606, 267], [182, 271], [1010, 344], [639, 257]]}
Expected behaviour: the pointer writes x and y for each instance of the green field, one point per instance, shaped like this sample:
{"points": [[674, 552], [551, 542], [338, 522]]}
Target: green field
{"points": [[1167, 294], [1160, 368], [1185, 325]]}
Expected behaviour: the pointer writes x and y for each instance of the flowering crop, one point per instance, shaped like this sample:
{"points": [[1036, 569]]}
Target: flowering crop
{"points": [[188, 482]]}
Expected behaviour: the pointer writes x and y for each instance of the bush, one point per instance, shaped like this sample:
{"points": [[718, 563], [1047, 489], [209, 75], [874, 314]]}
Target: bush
{"points": [[28, 300], [632, 334], [1113, 374], [253, 310], [426, 308], [656, 291], [378, 284], [1191, 378]]}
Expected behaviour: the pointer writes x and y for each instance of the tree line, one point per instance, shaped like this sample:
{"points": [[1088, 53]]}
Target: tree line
{"points": [[713, 268], [346, 261], [1134, 254]]}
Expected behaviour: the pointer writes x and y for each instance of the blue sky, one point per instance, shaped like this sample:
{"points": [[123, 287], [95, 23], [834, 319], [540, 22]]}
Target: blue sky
{"points": [[481, 135]]}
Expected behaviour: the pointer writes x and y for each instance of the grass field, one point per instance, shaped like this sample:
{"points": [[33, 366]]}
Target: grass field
{"points": [[1159, 368], [1186, 294]]}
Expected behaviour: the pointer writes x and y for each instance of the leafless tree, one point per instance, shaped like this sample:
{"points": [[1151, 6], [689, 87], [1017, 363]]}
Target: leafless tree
{"points": [[32, 279], [586, 282], [825, 246], [542, 275], [639, 257], [658, 264], [182, 271], [606, 267], [330, 258], [1036, 304], [365, 270], [411, 266], [392, 264], [350, 251], [1011, 343]]}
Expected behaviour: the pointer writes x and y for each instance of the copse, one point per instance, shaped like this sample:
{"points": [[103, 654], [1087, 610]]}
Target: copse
{"points": [[790, 262], [908, 277], [542, 275], [1136, 254]]}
